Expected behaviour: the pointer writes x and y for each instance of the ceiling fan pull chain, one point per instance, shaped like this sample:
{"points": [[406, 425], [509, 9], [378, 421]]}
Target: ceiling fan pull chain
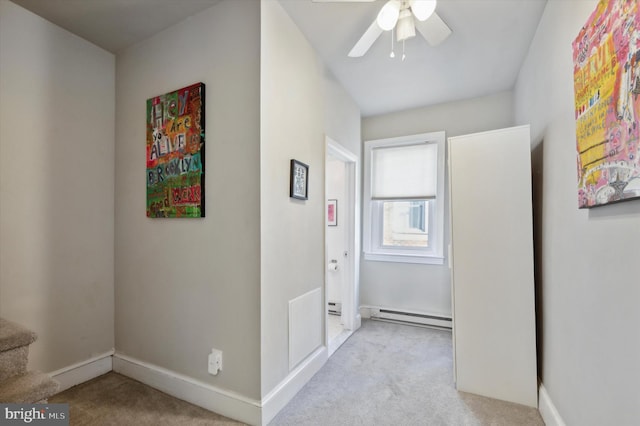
{"points": [[403, 55], [392, 55]]}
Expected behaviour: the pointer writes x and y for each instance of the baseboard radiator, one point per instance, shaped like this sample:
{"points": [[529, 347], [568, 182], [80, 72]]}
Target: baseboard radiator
{"points": [[411, 318]]}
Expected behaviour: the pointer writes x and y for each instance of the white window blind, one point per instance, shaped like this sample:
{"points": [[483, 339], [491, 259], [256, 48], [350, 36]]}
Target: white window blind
{"points": [[404, 172]]}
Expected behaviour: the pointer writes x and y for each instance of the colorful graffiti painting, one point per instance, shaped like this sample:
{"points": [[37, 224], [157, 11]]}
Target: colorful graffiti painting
{"points": [[606, 58], [175, 153]]}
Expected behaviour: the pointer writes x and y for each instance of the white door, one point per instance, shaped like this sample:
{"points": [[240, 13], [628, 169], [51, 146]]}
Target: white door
{"points": [[336, 232], [342, 240]]}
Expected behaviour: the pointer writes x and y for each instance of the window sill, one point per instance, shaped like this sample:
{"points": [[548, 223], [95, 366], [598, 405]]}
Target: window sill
{"points": [[404, 258]]}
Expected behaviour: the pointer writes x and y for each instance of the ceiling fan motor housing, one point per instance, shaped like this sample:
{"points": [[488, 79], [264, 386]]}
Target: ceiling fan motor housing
{"points": [[406, 27]]}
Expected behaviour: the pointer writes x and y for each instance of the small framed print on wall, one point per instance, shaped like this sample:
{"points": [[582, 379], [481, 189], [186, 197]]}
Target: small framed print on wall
{"points": [[332, 212], [299, 182]]}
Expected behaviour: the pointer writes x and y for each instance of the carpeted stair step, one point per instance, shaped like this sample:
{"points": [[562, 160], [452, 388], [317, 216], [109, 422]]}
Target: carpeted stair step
{"points": [[28, 388], [14, 348]]}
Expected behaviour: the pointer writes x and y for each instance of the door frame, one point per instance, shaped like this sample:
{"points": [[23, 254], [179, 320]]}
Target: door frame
{"points": [[350, 304]]}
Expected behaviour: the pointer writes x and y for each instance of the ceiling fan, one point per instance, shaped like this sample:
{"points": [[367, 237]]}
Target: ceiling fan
{"points": [[398, 16]]}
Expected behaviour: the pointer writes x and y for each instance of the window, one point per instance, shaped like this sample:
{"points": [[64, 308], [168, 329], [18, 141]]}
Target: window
{"points": [[404, 203], [404, 223]]}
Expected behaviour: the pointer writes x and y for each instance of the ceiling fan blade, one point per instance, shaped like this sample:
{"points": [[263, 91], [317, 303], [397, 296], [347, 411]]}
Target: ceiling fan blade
{"points": [[365, 42], [434, 29]]}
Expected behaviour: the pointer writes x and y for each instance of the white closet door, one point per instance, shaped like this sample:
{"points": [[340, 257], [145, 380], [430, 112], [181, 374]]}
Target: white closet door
{"points": [[492, 265]]}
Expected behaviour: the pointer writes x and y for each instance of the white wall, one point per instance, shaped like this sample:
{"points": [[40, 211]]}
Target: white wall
{"points": [[342, 124], [341, 115], [300, 103], [178, 283], [184, 286], [413, 287], [292, 238], [588, 289], [56, 188]]}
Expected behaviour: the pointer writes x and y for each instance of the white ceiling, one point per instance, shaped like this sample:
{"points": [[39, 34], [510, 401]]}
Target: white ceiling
{"points": [[483, 55], [115, 24]]}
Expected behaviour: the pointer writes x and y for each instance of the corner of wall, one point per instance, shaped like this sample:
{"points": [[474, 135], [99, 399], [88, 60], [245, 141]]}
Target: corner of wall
{"points": [[548, 410], [56, 219]]}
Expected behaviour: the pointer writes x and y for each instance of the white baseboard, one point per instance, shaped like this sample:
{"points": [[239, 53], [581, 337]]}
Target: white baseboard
{"points": [[289, 387], [358, 322], [547, 410], [226, 403], [337, 341], [365, 312], [83, 371], [202, 394]]}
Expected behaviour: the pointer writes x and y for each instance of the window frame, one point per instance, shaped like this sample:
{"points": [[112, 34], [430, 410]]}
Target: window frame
{"points": [[372, 210]]}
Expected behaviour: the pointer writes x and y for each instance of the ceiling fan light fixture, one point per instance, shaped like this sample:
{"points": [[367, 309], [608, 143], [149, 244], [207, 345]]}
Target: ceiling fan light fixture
{"points": [[423, 9], [388, 15], [406, 28]]}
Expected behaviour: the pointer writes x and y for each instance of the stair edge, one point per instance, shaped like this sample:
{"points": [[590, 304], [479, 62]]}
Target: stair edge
{"points": [[13, 335], [28, 388]]}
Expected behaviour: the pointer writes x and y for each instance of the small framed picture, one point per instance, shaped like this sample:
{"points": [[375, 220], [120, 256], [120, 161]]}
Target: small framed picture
{"points": [[299, 180], [332, 212]]}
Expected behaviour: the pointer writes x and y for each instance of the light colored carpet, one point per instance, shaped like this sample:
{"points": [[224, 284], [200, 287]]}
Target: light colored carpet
{"points": [[14, 335], [385, 374], [27, 388], [17, 385], [14, 349], [391, 374], [114, 399]]}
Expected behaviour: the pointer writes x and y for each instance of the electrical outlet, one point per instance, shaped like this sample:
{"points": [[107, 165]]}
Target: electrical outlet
{"points": [[215, 361]]}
